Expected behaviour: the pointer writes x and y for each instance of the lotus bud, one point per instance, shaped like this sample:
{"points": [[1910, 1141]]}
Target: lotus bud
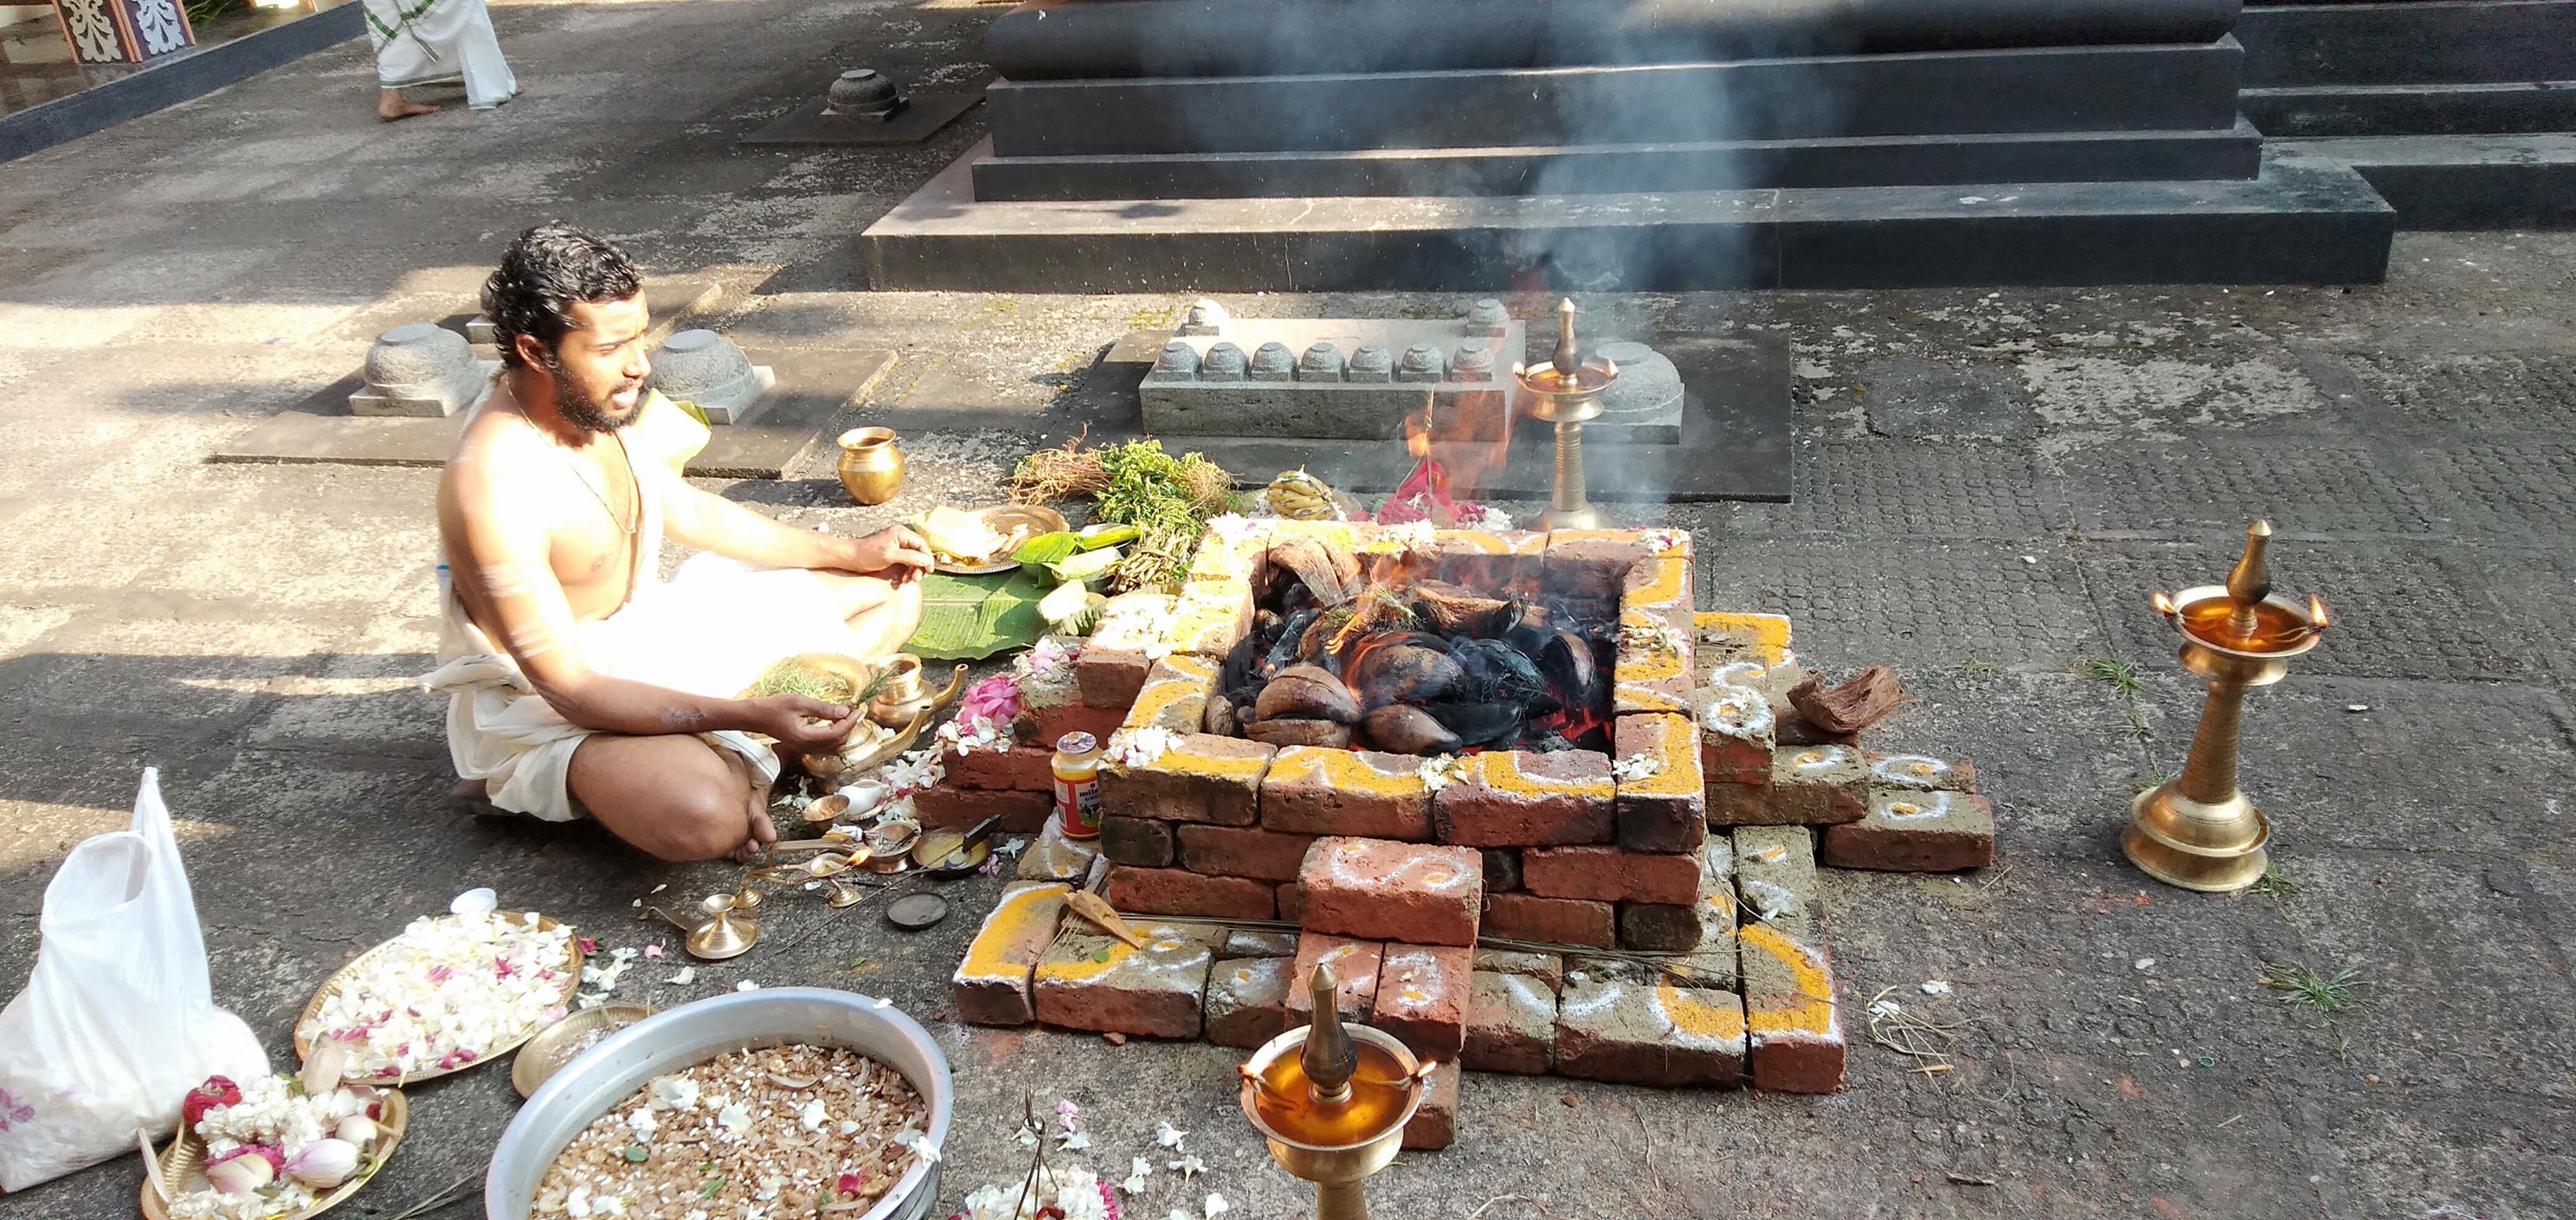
{"points": [[322, 1069], [240, 1174], [357, 1129], [324, 1163]]}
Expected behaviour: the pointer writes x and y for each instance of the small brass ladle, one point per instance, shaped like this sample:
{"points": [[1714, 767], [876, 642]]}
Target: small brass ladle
{"points": [[726, 932]]}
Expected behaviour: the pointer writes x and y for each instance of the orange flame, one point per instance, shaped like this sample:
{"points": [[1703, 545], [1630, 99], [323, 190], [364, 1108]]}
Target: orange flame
{"points": [[2316, 613], [1417, 433], [2164, 605]]}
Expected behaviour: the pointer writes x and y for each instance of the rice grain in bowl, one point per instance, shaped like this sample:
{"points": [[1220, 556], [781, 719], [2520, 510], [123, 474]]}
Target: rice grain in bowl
{"points": [[608, 1076]]}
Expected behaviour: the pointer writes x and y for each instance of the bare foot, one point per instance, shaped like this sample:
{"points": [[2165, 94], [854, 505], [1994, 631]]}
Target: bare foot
{"points": [[392, 105]]}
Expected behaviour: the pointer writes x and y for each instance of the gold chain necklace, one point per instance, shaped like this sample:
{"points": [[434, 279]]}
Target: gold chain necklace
{"points": [[602, 498]]}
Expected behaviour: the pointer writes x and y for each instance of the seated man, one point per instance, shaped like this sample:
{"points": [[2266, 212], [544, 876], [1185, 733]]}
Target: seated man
{"points": [[613, 692]]}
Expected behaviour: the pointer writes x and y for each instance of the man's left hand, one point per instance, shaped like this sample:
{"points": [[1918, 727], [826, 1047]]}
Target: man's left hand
{"points": [[896, 553]]}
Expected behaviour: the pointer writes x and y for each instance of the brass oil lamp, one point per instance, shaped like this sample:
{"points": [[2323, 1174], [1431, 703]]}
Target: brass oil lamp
{"points": [[2199, 831], [1334, 1110], [1566, 391]]}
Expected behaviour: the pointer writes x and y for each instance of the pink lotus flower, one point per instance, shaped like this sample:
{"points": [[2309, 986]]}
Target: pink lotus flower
{"points": [[995, 700]]}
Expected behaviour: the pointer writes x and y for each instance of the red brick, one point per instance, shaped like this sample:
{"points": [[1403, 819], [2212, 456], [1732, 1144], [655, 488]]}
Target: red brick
{"points": [[1018, 769], [1099, 983], [1667, 809], [1053, 857], [1201, 778], [1655, 927], [991, 986], [948, 808], [1384, 890], [1547, 968], [1243, 851], [1736, 726], [1817, 785], [1110, 677], [1316, 791], [1511, 1024], [1649, 1032], [1556, 921], [1355, 965], [1920, 772], [1142, 842], [1434, 1124], [1521, 799], [1054, 722], [1292, 902], [1247, 1001], [1791, 1011], [1422, 994], [1607, 874], [1740, 805], [1175, 695], [1256, 942], [1590, 565], [1499, 562], [1775, 879], [1914, 832], [1172, 891]]}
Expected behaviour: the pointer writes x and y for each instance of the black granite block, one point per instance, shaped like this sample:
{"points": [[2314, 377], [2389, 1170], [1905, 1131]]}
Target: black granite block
{"points": [[1107, 39], [2303, 221], [2134, 88], [2464, 181], [1595, 169], [2296, 112], [2462, 42]]}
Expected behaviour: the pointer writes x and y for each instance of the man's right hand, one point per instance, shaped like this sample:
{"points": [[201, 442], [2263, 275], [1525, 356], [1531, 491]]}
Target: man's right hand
{"points": [[802, 725]]}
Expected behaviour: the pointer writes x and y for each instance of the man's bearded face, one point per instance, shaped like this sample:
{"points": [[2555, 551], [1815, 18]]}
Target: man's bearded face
{"points": [[598, 370]]}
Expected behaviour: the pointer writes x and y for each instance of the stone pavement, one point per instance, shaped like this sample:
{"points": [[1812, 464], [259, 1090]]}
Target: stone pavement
{"points": [[1988, 486]]}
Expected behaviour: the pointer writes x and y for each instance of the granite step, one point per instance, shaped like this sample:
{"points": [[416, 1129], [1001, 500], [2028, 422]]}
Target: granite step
{"points": [[2307, 111], [2462, 181], [2091, 156], [2302, 220]]}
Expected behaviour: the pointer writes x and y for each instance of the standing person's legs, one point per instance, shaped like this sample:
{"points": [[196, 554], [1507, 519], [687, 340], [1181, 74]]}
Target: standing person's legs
{"points": [[391, 105], [678, 797]]}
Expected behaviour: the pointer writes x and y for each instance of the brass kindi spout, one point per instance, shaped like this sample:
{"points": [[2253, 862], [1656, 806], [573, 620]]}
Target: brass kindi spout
{"points": [[2198, 830], [1328, 1056], [1567, 392]]}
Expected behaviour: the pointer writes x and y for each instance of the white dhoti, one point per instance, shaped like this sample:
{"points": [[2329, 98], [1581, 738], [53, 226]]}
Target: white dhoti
{"points": [[440, 42], [710, 630]]}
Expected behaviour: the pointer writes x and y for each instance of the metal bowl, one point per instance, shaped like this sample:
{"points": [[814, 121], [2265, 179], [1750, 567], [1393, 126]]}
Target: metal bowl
{"points": [[609, 1073]]}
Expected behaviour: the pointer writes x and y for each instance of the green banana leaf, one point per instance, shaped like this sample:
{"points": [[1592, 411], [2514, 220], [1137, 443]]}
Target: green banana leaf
{"points": [[969, 618]]}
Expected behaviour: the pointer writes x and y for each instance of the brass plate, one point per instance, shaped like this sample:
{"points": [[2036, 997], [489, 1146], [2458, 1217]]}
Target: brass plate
{"points": [[553, 1047], [1002, 519], [932, 849], [179, 1164], [304, 1033]]}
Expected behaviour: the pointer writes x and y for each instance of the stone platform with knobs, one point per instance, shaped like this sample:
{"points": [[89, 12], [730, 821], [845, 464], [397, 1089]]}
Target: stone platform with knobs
{"points": [[1649, 916]]}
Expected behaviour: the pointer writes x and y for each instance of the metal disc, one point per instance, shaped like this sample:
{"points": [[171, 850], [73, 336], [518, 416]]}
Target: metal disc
{"points": [[913, 912]]}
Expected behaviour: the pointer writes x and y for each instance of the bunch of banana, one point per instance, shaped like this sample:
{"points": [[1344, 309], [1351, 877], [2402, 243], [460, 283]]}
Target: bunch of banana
{"points": [[1300, 496]]}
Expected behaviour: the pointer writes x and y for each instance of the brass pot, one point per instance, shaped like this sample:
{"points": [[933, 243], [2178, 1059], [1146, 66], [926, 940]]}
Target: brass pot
{"points": [[904, 694], [871, 465]]}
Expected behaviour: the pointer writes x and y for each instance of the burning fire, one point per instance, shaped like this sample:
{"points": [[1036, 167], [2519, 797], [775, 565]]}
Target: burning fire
{"points": [[2164, 605], [2316, 613]]}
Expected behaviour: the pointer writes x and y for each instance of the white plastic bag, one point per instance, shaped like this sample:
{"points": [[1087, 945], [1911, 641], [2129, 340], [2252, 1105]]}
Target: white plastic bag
{"points": [[118, 1021]]}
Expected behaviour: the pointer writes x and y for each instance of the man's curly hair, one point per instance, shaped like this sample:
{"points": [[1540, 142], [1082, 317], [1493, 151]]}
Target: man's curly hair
{"points": [[542, 274]]}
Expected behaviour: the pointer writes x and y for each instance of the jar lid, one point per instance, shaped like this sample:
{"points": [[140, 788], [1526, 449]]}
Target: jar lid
{"points": [[1076, 744]]}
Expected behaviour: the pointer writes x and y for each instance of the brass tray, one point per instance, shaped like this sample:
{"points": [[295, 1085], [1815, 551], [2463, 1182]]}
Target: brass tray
{"points": [[180, 1169], [552, 1048], [1002, 519], [304, 1033]]}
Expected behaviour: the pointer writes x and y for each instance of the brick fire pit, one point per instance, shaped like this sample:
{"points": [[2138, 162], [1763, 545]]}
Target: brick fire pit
{"points": [[1695, 835]]}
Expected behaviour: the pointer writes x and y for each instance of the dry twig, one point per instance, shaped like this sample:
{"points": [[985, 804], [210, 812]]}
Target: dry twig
{"points": [[1479, 1213], [1911, 1036]]}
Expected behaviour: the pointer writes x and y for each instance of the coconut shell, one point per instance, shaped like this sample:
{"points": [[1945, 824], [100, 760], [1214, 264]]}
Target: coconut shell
{"points": [[1405, 729], [1300, 733], [1871, 696], [1307, 692], [1406, 673], [1329, 572]]}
